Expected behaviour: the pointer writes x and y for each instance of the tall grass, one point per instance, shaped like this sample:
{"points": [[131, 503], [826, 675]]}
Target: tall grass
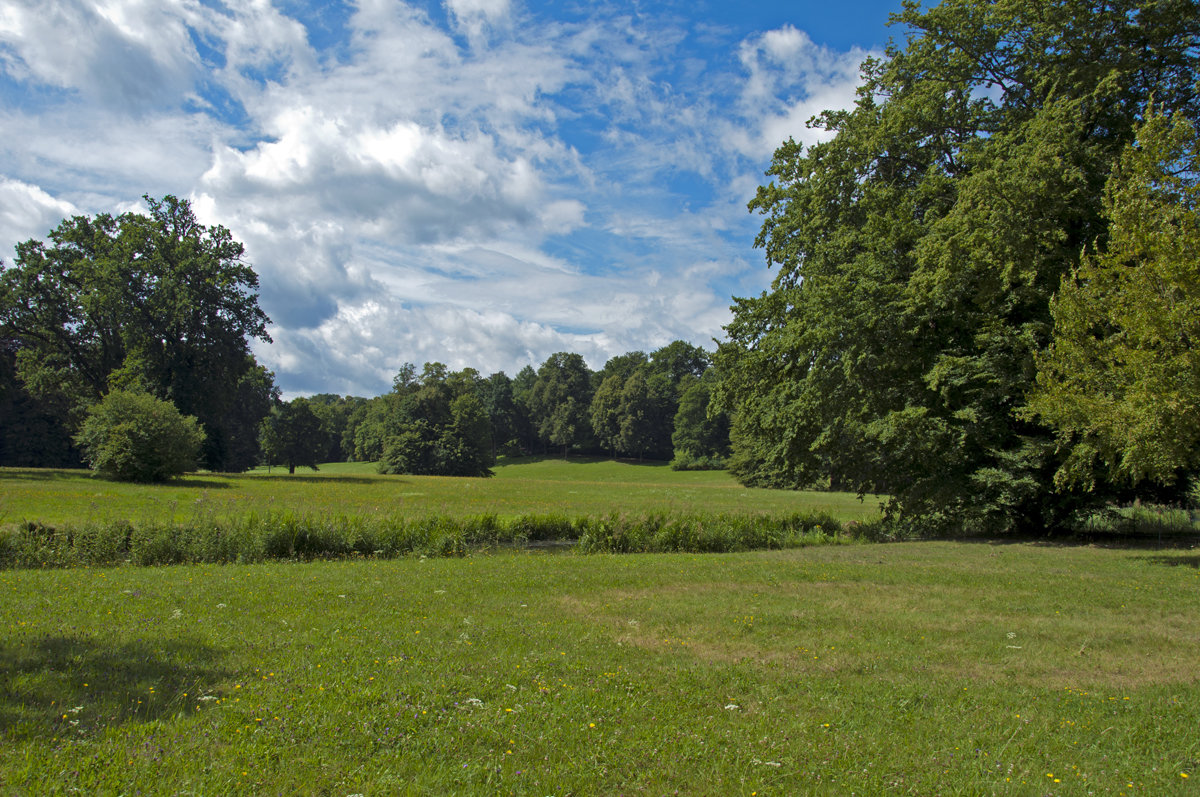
{"points": [[275, 536]]}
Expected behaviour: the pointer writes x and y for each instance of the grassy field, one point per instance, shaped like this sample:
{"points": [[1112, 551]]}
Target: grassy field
{"points": [[916, 668], [526, 486]]}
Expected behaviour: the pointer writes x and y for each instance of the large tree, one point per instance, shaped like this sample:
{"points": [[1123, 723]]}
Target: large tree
{"points": [[154, 302], [435, 424], [919, 247], [698, 440]]}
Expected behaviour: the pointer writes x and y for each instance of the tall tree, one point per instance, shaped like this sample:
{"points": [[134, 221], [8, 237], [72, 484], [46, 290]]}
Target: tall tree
{"points": [[1121, 381], [30, 435], [647, 409], [699, 441], [919, 247], [153, 302], [436, 424], [679, 360], [605, 412], [559, 401]]}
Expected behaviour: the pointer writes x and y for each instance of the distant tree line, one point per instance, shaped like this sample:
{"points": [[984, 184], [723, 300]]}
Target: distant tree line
{"points": [[456, 423]]}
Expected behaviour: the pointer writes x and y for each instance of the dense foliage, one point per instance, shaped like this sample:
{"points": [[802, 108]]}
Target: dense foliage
{"points": [[292, 435], [918, 250], [456, 423], [136, 437], [156, 303], [1121, 380]]}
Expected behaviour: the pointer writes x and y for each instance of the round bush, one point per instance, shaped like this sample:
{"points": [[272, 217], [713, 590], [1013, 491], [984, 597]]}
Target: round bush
{"points": [[136, 437]]}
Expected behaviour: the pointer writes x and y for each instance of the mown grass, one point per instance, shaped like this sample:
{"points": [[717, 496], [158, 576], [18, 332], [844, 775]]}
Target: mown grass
{"points": [[533, 486], [920, 668]]}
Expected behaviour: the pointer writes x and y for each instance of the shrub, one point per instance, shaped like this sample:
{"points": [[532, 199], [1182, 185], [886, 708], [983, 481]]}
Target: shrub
{"points": [[136, 437], [685, 460]]}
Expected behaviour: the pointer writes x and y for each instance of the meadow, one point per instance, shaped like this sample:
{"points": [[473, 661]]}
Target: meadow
{"points": [[913, 668], [526, 486], [971, 667]]}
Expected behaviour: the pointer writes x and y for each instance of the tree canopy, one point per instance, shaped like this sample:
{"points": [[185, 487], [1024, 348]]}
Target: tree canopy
{"points": [[918, 249], [1120, 382], [292, 434], [156, 303]]}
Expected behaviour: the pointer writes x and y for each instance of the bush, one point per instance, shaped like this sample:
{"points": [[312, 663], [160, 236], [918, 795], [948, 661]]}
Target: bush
{"points": [[685, 460], [136, 437]]}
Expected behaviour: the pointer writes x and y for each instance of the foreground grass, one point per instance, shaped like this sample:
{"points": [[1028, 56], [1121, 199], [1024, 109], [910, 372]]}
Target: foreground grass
{"points": [[922, 668], [576, 487]]}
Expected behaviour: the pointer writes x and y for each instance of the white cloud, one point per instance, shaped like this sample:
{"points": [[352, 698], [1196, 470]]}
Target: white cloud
{"points": [[790, 80], [27, 211], [476, 18], [134, 55]]}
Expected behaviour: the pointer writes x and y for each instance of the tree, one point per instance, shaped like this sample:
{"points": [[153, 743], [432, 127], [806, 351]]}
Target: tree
{"points": [[646, 410], [505, 414], [30, 435], [605, 412], [136, 437], [679, 360], [522, 390], [699, 441], [918, 250], [559, 401], [465, 447], [436, 424], [292, 435], [153, 302], [1120, 383]]}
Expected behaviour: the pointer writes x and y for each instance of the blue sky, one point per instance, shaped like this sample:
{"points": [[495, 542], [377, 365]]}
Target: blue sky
{"points": [[479, 182]]}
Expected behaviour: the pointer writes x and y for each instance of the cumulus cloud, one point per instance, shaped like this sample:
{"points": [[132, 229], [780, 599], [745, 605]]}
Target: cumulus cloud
{"points": [[27, 211], [132, 55], [790, 79]]}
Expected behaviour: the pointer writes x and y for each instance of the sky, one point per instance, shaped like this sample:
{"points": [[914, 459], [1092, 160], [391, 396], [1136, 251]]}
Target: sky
{"points": [[476, 182]]}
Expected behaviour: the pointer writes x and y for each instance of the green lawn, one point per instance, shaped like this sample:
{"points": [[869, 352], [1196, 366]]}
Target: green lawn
{"points": [[583, 486], [917, 668]]}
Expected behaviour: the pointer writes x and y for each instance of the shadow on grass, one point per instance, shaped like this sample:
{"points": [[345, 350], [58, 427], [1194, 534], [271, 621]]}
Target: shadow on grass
{"points": [[1173, 561], [72, 687], [1116, 540], [42, 474], [284, 476]]}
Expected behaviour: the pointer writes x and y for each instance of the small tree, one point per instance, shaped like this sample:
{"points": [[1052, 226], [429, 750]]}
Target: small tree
{"points": [[292, 435], [136, 437]]}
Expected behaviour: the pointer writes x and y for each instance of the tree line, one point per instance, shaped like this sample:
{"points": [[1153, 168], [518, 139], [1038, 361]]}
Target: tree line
{"points": [[456, 423]]}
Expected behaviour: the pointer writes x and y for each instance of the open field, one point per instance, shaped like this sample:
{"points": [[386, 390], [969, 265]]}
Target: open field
{"points": [[578, 486], [917, 668]]}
